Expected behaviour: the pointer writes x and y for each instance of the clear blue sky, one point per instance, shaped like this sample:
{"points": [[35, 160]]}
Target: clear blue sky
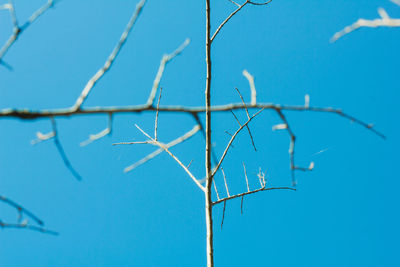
{"points": [[345, 212]]}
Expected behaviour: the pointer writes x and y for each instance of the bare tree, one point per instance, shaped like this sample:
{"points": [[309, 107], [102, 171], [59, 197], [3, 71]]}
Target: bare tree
{"points": [[213, 163]]}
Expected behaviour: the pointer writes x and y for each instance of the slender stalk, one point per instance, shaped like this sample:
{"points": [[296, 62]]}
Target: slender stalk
{"points": [[208, 200]]}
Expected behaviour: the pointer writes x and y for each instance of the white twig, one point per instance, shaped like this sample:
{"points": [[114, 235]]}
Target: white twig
{"points": [[92, 82], [384, 21], [99, 135], [250, 78], [165, 148], [165, 59], [158, 151]]}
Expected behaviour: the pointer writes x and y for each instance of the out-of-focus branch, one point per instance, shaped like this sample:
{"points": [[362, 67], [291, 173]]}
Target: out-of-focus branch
{"points": [[17, 30], [24, 224], [92, 82], [61, 151], [21, 210], [165, 59], [101, 134], [27, 227], [383, 21]]}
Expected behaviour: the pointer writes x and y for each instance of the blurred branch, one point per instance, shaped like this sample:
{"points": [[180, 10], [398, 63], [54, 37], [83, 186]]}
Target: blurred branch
{"points": [[17, 30], [384, 21], [92, 82]]}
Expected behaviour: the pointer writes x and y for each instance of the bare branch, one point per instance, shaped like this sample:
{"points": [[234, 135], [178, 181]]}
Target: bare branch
{"points": [[226, 184], [233, 13], [245, 175], [223, 215], [165, 59], [17, 29], [92, 82], [155, 153], [156, 120], [21, 209], [165, 148], [384, 21], [253, 90], [104, 132], [248, 117], [61, 151], [27, 226], [252, 192], [230, 142], [42, 137]]}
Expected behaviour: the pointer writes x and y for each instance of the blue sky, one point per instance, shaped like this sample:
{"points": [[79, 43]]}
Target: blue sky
{"points": [[344, 212]]}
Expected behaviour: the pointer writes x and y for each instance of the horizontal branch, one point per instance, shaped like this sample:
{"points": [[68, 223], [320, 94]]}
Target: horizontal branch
{"points": [[27, 227], [26, 114], [21, 209], [252, 192]]}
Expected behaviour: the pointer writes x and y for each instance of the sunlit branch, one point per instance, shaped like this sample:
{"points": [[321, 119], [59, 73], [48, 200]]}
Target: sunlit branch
{"points": [[165, 148], [233, 13], [155, 153], [252, 192], [165, 59], [384, 21], [101, 134], [92, 82], [231, 141], [17, 30]]}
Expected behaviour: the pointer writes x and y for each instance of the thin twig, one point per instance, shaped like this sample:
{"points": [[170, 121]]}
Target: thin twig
{"points": [[61, 151], [253, 90], [233, 13], [223, 215], [384, 21], [21, 209], [231, 141], [156, 120], [165, 148], [107, 65], [241, 205], [248, 117], [165, 59], [101, 134], [158, 151], [245, 175], [252, 192], [226, 184], [27, 226]]}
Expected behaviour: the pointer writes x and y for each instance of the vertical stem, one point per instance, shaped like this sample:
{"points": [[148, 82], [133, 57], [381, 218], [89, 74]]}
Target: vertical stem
{"points": [[208, 200]]}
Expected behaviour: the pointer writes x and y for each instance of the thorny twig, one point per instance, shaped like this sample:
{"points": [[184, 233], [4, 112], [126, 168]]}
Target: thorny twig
{"points": [[252, 192], [165, 148], [248, 117], [178, 140], [233, 13]]}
